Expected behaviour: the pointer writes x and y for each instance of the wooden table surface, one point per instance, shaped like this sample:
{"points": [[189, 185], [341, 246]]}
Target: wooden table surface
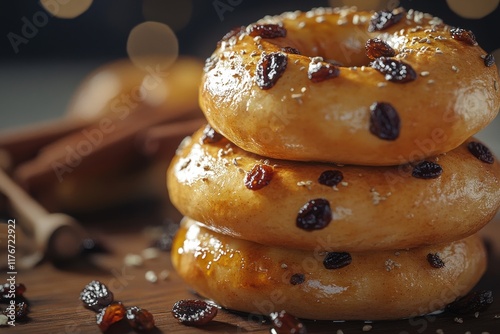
{"points": [[53, 290]]}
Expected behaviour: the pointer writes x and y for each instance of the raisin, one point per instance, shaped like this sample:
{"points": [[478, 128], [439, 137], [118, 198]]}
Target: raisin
{"points": [[96, 295], [375, 48], [463, 35], [384, 121], [297, 279], [210, 136], [20, 290], [314, 215], [259, 177], [427, 170], [331, 178], [337, 260], [394, 70], [489, 60], [481, 152], [270, 68], [320, 71], [285, 323], [140, 319], [435, 260], [289, 49], [7, 292], [383, 19], [234, 32], [267, 31], [194, 312], [110, 315], [21, 310], [476, 301]]}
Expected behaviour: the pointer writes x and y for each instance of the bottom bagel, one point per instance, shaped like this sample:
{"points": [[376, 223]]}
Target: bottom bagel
{"points": [[250, 277]]}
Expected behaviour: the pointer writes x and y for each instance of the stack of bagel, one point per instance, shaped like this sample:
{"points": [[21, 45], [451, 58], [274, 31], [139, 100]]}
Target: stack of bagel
{"points": [[338, 177]]}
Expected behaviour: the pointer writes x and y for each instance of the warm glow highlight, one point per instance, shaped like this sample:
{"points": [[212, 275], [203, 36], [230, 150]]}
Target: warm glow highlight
{"points": [[152, 44], [68, 9], [473, 9]]}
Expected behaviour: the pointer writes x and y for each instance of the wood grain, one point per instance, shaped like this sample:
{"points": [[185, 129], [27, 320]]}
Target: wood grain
{"points": [[55, 306]]}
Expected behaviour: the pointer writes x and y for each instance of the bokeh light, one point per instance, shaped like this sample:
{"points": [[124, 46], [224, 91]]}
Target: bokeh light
{"points": [[473, 9], [152, 44], [174, 13], [68, 9]]}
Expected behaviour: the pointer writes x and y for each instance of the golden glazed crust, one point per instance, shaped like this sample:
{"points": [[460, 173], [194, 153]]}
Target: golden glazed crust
{"points": [[372, 207], [453, 96], [250, 277]]}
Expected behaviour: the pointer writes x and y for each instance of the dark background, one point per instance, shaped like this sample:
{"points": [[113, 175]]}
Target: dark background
{"points": [[102, 31], [38, 82]]}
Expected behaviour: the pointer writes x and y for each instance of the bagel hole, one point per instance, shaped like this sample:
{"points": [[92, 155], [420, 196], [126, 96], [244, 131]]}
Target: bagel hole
{"points": [[348, 52], [348, 59]]}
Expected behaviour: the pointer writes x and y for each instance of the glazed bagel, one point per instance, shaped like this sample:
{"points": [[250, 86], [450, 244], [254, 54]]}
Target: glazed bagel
{"points": [[250, 277], [340, 85], [330, 207]]}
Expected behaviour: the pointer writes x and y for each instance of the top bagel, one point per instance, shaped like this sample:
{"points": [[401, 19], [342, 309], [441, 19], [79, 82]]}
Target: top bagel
{"points": [[340, 85]]}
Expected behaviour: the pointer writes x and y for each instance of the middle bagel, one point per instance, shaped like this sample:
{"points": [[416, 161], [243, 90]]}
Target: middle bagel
{"points": [[331, 207]]}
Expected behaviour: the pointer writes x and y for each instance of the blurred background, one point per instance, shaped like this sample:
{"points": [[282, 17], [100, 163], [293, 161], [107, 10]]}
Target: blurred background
{"points": [[48, 47]]}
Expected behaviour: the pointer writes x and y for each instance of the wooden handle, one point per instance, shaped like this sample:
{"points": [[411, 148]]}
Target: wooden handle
{"points": [[23, 205], [56, 235]]}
